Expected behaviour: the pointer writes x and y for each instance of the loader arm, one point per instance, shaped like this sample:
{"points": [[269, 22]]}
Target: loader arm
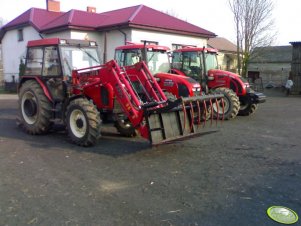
{"points": [[143, 101]]}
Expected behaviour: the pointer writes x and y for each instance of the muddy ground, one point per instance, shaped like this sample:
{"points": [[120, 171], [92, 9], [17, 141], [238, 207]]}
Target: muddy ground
{"points": [[228, 176]]}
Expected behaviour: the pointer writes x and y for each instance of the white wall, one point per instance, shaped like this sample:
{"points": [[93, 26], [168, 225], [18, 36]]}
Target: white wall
{"points": [[82, 35], [167, 39], [13, 50], [115, 38], [89, 35], [62, 34]]}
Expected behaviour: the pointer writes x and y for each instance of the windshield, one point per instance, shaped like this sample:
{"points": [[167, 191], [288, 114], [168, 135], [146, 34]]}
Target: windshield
{"points": [[128, 57], [77, 58], [158, 61], [189, 63]]}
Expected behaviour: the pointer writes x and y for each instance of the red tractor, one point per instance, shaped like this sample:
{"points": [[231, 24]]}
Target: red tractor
{"points": [[201, 64], [64, 82], [157, 60]]}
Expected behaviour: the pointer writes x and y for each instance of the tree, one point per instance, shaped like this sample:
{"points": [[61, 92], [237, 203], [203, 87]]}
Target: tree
{"points": [[21, 68], [254, 26]]}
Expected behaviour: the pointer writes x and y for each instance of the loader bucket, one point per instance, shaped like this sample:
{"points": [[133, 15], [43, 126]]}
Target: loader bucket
{"points": [[178, 119]]}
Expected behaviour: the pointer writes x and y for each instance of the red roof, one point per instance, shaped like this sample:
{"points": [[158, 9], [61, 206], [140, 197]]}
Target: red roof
{"points": [[76, 19], [35, 17], [139, 16], [143, 16]]}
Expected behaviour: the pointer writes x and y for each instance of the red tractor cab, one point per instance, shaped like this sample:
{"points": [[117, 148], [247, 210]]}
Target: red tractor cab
{"points": [[157, 59], [201, 64]]}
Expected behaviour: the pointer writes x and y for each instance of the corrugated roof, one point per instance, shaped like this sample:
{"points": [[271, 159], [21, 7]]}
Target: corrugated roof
{"points": [[222, 44], [135, 16]]}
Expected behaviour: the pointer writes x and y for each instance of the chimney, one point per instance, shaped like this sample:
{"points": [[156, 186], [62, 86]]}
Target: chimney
{"points": [[91, 9], [53, 5]]}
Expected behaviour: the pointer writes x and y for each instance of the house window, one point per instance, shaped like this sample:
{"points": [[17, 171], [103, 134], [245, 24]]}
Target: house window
{"points": [[149, 42], [20, 35], [180, 46], [176, 46]]}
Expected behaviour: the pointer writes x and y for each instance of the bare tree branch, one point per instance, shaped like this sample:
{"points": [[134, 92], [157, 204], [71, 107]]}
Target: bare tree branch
{"points": [[254, 27]]}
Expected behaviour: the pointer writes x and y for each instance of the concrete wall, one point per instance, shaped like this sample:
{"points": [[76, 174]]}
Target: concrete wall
{"points": [[14, 50], [276, 73]]}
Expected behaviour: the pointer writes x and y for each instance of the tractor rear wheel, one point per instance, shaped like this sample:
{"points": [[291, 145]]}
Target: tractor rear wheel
{"points": [[231, 104], [34, 108], [83, 122]]}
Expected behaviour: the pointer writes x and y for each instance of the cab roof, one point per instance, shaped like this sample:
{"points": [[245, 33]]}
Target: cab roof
{"points": [[142, 46], [59, 41], [196, 49]]}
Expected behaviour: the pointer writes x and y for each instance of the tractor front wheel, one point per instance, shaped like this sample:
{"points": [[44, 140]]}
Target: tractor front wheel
{"points": [[125, 127], [247, 108], [34, 108], [83, 122], [231, 104]]}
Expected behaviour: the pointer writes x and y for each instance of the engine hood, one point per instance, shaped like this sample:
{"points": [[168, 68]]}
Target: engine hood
{"points": [[178, 78], [222, 72]]}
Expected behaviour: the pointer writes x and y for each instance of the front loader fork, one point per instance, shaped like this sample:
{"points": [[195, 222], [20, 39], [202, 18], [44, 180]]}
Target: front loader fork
{"points": [[180, 118]]}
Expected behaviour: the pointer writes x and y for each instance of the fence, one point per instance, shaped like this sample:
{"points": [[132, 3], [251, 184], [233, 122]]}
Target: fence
{"points": [[10, 83]]}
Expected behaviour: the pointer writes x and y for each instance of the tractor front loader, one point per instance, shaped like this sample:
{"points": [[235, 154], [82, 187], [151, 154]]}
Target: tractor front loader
{"points": [[54, 89]]}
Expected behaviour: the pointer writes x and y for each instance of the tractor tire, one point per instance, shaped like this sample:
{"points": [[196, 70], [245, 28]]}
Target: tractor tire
{"points": [[231, 104], [247, 109], [125, 128], [83, 122], [34, 108], [207, 115], [170, 96]]}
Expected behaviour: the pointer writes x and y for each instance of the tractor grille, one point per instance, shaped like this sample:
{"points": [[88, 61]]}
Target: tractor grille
{"points": [[104, 96]]}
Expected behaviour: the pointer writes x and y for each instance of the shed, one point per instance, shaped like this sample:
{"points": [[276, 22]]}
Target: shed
{"points": [[296, 66], [273, 63]]}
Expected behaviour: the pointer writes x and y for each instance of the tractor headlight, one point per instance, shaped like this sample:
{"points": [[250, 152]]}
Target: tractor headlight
{"points": [[63, 41], [210, 78]]}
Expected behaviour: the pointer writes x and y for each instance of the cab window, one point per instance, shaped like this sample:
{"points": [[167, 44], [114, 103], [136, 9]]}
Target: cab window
{"points": [[34, 61]]}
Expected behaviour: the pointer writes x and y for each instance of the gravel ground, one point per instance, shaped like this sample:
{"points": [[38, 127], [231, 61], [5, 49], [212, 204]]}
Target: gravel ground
{"points": [[229, 175]]}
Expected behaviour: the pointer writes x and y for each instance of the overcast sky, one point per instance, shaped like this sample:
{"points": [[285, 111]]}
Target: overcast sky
{"points": [[212, 15]]}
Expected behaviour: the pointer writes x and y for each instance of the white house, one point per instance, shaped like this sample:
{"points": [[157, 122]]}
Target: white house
{"points": [[109, 29]]}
